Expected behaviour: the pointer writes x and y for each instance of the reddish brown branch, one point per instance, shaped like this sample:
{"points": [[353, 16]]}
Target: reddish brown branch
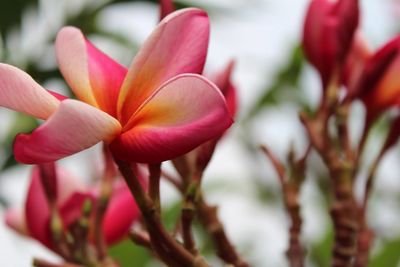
{"points": [[188, 214], [140, 238], [341, 162], [169, 250], [291, 189], [154, 185], [225, 250], [43, 263]]}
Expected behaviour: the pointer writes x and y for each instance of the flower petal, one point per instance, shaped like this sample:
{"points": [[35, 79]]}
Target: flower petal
{"points": [[117, 223], [379, 84], [71, 210], [223, 81], [183, 113], [37, 212], [18, 91], [15, 219], [359, 54], [166, 7], [313, 32], [93, 76], [74, 127], [178, 45]]}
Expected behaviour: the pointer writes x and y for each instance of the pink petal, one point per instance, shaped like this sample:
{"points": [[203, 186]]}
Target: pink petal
{"points": [[18, 91], [178, 45], [314, 24], [379, 83], [74, 127], [68, 184], [166, 7], [121, 213], [57, 95], [358, 56], [183, 113], [328, 33], [72, 209], [223, 80], [93, 76], [15, 219], [37, 211]]}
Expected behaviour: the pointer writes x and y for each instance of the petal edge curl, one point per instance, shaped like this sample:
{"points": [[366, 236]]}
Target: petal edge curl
{"points": [[74, 127]]}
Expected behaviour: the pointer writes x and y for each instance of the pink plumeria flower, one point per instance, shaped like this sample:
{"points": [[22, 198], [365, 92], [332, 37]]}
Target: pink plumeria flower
{"points": [[34, 219], [156, 110]]}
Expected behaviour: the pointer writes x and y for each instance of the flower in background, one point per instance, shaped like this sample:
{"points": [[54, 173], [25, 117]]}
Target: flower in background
{"points": [[378, 82], [328, 35], [158, 109], [35, 218]]}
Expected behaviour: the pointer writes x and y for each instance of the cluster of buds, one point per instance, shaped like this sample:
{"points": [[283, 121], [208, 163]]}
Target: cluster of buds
{"points": [[72, 218], [335, 45]]}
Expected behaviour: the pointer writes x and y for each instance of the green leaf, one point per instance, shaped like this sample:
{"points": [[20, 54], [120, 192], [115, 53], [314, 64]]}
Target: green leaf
{"points": [[170, 215], [11, 13], [321, 252], [286, 80], [21, 124], [128, 254], [388, 256]]}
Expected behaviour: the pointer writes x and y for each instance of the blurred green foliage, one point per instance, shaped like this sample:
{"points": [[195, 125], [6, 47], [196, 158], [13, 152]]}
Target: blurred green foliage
{"points": [[11, 13], [388, 255], [130, 255], [286, 80]]}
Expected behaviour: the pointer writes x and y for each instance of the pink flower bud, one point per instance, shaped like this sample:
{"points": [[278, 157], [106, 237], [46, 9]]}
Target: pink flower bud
{"points": [[328, 34], [166, 7]]}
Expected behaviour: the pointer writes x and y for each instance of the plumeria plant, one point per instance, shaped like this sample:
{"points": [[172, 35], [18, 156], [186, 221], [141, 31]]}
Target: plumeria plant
{"points": [[163, 108]]}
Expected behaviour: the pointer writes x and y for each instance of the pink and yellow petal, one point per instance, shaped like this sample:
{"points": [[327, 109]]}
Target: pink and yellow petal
{"points": [[94, 77], [74, 127], [18, 91], [185, 112], [178, 45]]}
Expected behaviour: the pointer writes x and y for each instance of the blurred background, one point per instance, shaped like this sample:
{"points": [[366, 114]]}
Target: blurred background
{"points": [[274, 83]]}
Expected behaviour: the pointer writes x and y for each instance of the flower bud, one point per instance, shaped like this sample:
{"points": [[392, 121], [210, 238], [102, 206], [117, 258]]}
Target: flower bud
{"points": [[166, 7], [328, 34]]}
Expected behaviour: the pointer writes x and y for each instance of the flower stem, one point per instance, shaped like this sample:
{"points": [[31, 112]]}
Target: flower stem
{"points": [[169, 250], [154, 186], [188, 214], [291, 190], [209, 219]]}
